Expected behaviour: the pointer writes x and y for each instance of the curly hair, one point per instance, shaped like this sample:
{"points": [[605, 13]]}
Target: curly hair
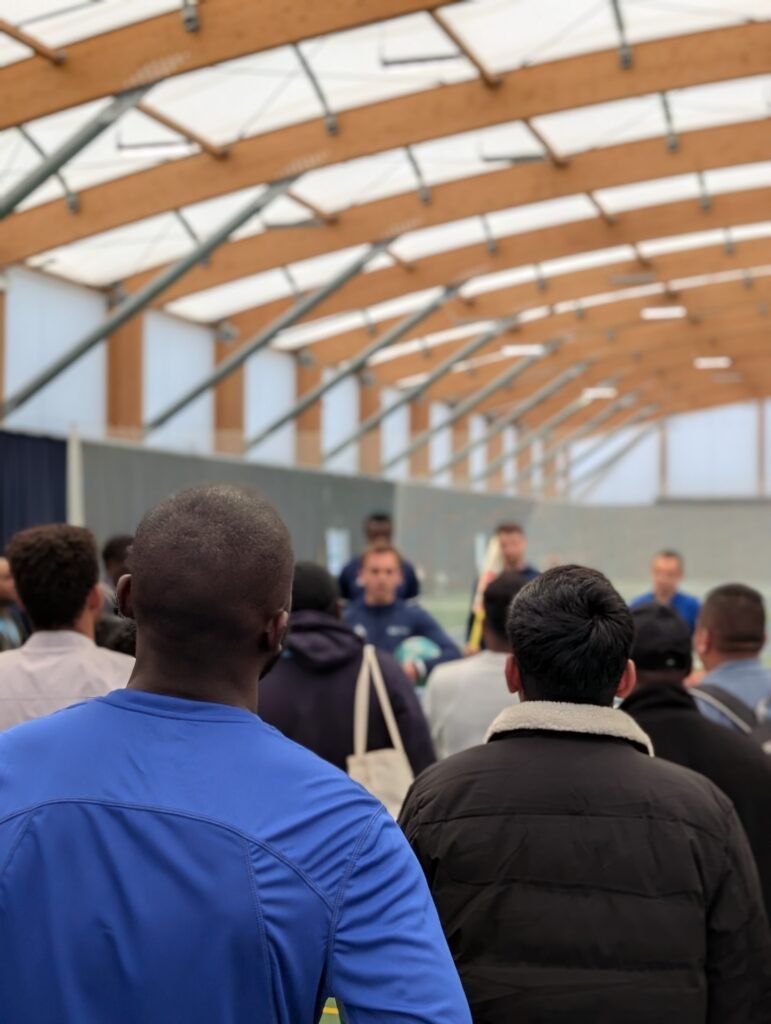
{"points": [[54, 568]]}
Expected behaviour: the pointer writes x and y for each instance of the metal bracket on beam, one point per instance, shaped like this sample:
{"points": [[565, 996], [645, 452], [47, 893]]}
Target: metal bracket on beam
{"points": [[226, 332], [190, 16], [305, 358], [705, 200], [55, 57], [404, 264], [728, 243], [673, 143], [490, 240], [73, 203], [625, 58], [423, 190], [540, 138], [540, 280], [641, 258], [56, 159], [135, 303], [369, 323], [294, 288], [330, 118]]}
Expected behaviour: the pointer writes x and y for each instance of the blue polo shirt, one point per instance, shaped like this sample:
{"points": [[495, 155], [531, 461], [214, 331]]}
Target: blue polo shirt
{"points": [[165, 860], [686, 606]]}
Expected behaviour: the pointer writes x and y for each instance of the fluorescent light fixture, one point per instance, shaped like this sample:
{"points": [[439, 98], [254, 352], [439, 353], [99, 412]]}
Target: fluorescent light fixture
{"points": [[663, 312], [523, 350], [713, 362], [592, 394]]}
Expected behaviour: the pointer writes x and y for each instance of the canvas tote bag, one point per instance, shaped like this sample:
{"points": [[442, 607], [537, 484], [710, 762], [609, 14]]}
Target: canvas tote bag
{"points": [[385, 773]]}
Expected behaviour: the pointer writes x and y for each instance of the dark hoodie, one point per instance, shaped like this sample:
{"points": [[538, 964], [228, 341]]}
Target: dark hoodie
{"points": [[309, 694]]}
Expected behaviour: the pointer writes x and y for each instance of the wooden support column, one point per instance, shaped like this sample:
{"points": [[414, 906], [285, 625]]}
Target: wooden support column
{"points": [[495, 448], [229, 405], [125, 379], [524, 459], [551, 472], [420, 421], [369, 445], [308, 423], [760, 446], [461, 432]]}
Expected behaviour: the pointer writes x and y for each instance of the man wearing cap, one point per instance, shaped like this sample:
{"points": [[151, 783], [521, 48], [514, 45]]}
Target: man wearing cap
{"points": [[665, 710]]}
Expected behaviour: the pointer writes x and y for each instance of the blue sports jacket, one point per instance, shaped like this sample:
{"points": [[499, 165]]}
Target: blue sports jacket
{"points": [[165, 861]]}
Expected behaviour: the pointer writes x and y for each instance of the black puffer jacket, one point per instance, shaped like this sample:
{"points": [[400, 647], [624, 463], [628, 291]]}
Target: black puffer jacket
{"points": [[581, 881], [680, 733], [309, 693]]}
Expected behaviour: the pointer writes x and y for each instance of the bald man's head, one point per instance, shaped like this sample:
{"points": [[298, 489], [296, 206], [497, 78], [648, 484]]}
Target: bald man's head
{"points": [[211, 577]]}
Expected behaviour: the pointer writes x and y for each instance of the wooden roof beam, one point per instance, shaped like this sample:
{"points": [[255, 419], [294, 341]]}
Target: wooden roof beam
{"points": [[490, 80], [461, 199], [673, 63], [158, 48]]}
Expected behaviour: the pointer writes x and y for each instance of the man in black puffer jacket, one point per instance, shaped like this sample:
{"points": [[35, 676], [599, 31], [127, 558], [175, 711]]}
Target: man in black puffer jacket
{"points": [[578, 879]]}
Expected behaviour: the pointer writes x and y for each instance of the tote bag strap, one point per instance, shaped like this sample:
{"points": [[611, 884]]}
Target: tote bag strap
{"points": [[370, 669]]}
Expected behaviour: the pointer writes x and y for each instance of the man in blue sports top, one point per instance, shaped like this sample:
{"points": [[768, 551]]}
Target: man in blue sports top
{"points": [[166, 856], [667, 573], [378, 529], [385, 621]]}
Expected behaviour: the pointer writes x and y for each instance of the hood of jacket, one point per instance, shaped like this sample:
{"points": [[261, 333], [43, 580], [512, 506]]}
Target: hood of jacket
{"points": [[321, 642]]}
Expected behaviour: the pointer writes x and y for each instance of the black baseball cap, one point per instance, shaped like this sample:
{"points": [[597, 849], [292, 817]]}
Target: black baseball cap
{"points": [[662, 639]]}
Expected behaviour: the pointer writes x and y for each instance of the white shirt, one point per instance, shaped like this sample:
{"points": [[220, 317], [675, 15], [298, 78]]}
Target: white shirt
{"points": [[463, 698], [56, 668]]}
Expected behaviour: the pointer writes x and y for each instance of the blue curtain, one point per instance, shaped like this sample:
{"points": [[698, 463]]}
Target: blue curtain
{"points": [[33, 482]]}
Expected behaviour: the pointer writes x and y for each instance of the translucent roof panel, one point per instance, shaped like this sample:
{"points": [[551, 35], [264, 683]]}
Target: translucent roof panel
{"points": [[648, 193], [58, 22], [509, 35]]}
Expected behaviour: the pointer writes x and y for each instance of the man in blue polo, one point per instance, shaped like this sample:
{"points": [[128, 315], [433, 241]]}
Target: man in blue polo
{"points": [[667, 572], [166, 856]]}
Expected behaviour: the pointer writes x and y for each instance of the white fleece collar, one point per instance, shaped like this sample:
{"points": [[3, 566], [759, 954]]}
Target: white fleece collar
{"points": [[551, 716]]}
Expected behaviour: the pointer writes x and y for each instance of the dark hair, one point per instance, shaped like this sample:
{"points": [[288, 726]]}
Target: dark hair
{"points": [[662, 643], [314, 589], [116, 634], [116, 549], [54, 568], [497, 599], [379, 548], [379, 517], [571, 634], [735, 616], [210, 566], [509, 527], [670, 553]]}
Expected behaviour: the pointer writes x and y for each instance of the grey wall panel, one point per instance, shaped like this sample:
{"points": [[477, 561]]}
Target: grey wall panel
{"points": [[721, 540], [122, 482]]}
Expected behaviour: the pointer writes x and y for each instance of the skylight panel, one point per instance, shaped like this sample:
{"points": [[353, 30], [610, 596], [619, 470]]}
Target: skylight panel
{"points": [[604, 124], [738, 99], [535, 216], [58, 22], [657, 19], [225, 300], [648, 193]]}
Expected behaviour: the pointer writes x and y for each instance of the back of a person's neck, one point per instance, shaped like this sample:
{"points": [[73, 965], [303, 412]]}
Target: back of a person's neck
{"points": [[85, 629], [177, 677], [721, 659]]}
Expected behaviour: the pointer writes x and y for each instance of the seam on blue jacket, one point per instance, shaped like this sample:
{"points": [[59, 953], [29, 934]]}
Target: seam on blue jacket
{"points": [[15, 845], [343, 884], [260, 925], [191, 817]]}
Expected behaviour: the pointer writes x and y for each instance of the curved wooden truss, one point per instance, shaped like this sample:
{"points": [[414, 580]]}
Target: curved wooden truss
{"points": [[674, 63], [727, 316]]}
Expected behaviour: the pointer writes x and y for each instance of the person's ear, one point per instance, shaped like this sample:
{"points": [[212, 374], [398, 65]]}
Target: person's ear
{"points": [[272, 639], [513, 677], [701, 641], [95, 600], [628, 681], [125, 597]]}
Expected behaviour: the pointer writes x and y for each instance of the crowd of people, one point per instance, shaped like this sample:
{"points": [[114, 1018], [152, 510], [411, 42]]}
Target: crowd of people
{"points": [[577, 819]]}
